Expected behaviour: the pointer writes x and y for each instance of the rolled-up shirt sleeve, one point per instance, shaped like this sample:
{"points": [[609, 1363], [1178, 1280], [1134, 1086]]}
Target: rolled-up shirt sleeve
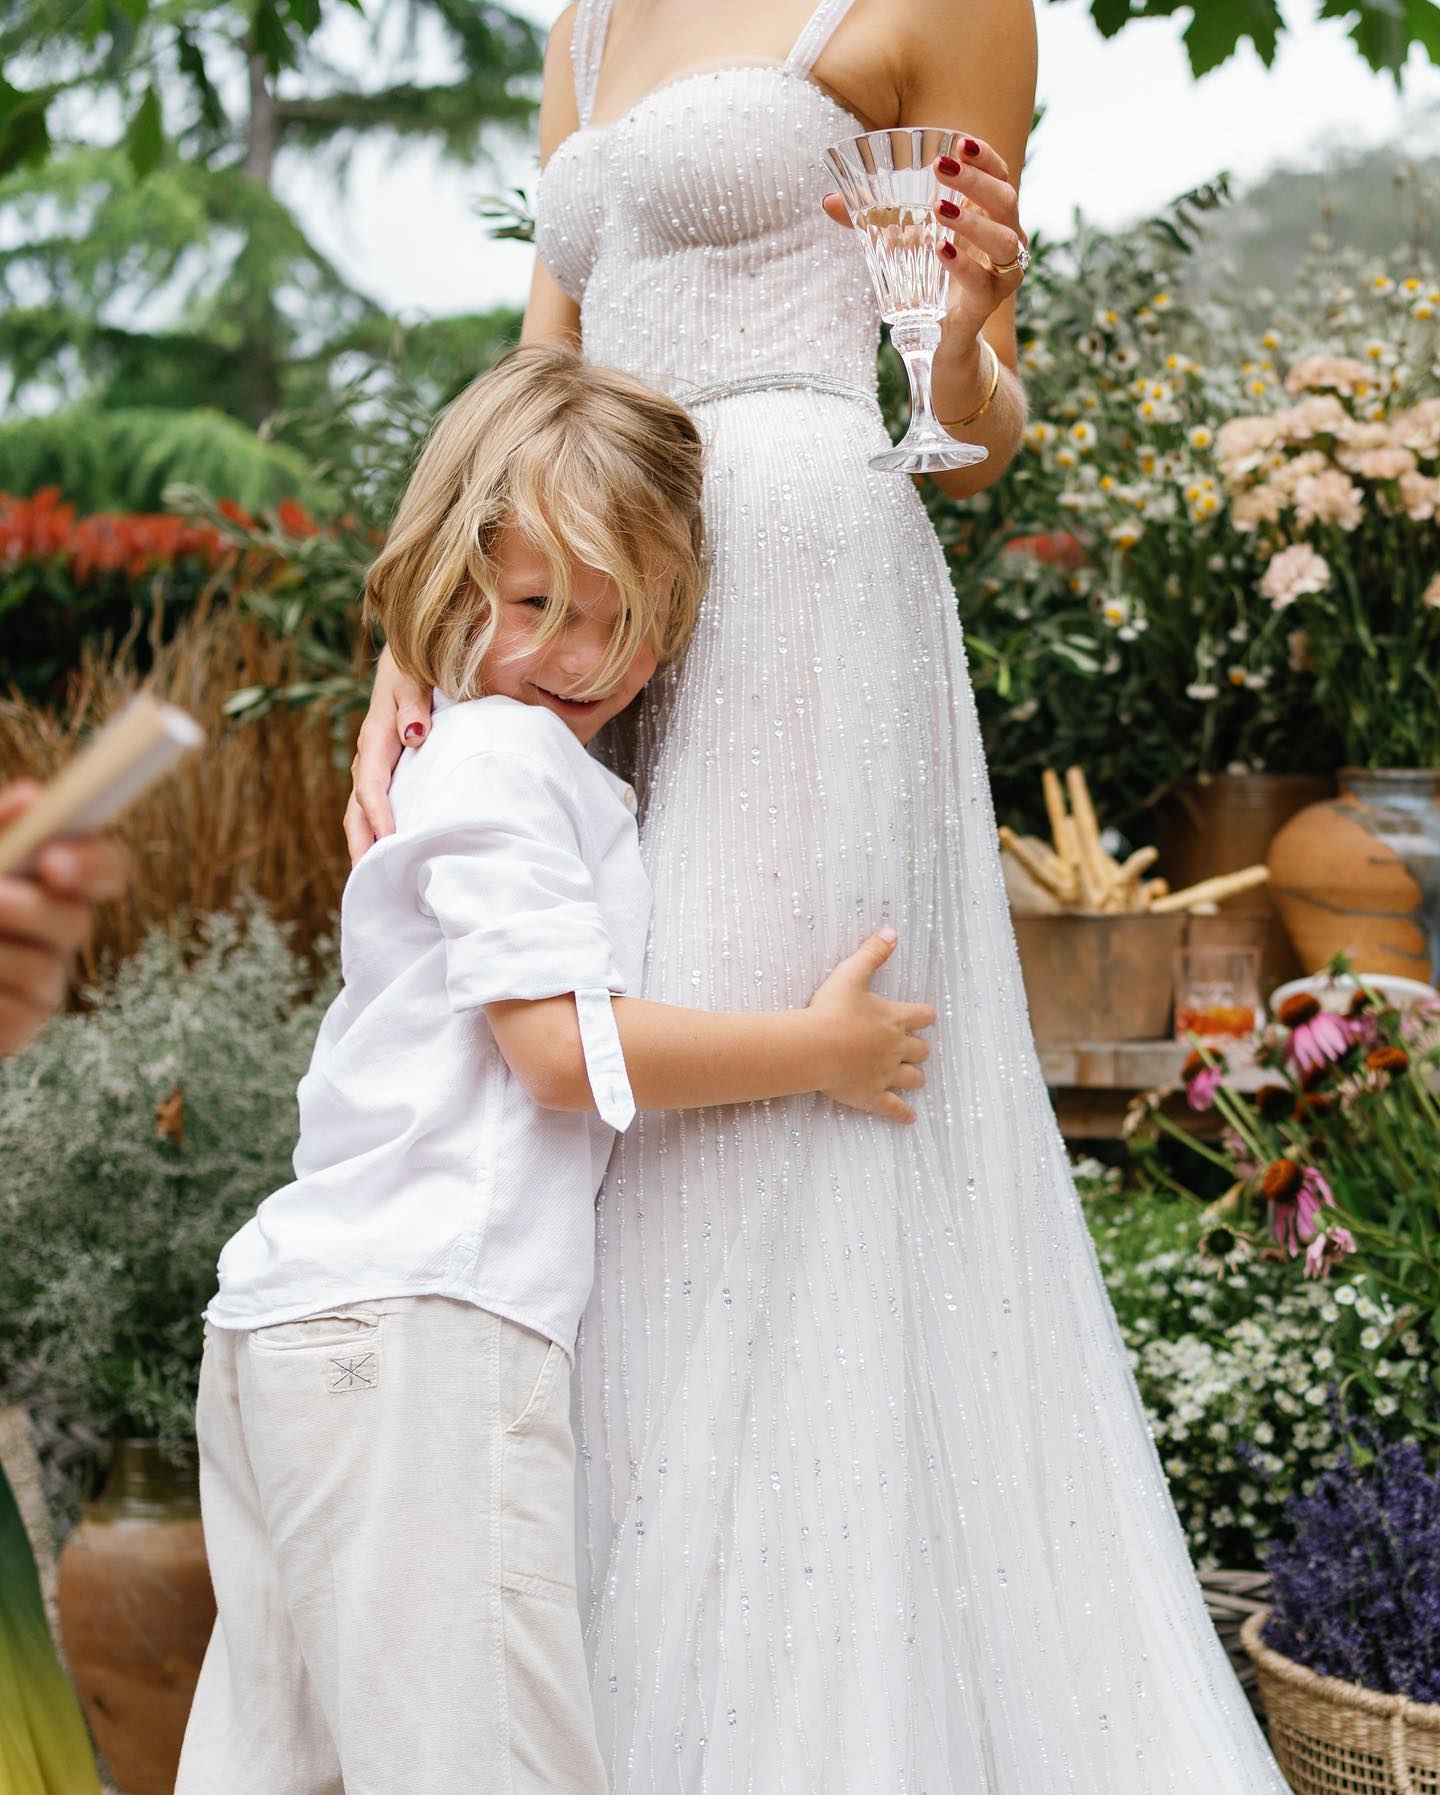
{"points": [[503, 873]]}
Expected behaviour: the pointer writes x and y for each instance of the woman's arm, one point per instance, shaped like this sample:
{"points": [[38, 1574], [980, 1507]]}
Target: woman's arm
{"points": [[551, 312], [850, 1043], [975, 74], [977, 70]]}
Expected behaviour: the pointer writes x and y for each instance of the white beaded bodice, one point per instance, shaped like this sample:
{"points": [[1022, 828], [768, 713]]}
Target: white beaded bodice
{"points": [[690, 229]]}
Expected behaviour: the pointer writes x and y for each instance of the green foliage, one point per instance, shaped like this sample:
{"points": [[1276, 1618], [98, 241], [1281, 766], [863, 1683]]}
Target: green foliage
{"points": [[1380, 201], [1111, 583], [1383, 31], [1340, 1157], [1235, 1365], [123, 460], [110, 1225], [159, 268]]}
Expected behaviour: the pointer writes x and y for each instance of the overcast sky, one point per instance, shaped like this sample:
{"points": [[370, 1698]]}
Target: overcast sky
{"points": [[1126, 129]]}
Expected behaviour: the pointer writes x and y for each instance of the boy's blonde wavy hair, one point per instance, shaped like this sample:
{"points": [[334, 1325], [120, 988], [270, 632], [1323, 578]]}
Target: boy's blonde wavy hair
{"points": [[585, 462]]}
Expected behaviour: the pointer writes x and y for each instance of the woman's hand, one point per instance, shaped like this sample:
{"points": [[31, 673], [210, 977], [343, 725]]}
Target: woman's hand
{"points": [[981, 207], [44, 920], [399, 717], [873, 1048]]}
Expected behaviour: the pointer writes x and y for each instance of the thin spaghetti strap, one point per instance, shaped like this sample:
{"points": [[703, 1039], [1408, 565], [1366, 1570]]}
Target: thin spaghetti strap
{"points": [[817, 33], [587, 47]]}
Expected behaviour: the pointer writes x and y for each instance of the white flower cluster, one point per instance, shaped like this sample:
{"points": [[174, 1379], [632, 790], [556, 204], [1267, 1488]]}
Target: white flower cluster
{"points": [[1235, 1371]]}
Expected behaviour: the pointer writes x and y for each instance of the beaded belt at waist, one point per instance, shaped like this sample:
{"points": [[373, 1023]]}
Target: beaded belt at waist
{"points": [[767, 383]]}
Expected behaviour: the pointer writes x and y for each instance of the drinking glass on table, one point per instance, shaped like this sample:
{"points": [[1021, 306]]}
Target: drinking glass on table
{"points": [[888, 182], [1217, 992]]}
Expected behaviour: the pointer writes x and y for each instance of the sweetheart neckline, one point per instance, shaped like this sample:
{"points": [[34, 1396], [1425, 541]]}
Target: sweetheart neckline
{"points": [[763, 68]]}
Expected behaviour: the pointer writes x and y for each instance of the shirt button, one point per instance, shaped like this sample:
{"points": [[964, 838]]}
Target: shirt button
{"points": [[631, 802]]}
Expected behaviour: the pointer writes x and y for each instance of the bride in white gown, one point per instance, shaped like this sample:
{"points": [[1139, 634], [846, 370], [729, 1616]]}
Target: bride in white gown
{"points": [[868, 1501]]}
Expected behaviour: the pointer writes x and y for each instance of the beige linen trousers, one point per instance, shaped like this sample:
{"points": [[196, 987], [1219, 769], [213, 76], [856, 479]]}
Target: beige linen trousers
{"points": [[388, 1496]]}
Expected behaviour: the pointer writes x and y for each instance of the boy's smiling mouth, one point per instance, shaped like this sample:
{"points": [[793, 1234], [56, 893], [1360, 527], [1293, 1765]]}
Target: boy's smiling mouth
{"points": [[569, 707]]}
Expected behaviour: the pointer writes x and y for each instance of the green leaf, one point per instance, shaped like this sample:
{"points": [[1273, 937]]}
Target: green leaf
{"points": [[145, 135], [24, 135], [1110, 15], [1217, 26], [1422, 23], [134, 10], [192, 64], [270, 37]]}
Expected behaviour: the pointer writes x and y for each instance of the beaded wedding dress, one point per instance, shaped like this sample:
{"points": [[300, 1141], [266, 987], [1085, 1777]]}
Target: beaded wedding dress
{"points": [[868, 1501]]}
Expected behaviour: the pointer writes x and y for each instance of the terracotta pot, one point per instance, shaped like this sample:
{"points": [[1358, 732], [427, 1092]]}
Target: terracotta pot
{"points": [[136, 1610], [1098, 978], [1218, 825], [1361, 875]]}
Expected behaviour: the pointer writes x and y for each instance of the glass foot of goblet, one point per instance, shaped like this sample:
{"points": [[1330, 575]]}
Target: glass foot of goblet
{"points": [[918, 452]]}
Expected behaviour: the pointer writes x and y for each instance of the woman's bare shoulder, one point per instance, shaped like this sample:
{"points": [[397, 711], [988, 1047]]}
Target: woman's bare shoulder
{"points": [[559, 112]]}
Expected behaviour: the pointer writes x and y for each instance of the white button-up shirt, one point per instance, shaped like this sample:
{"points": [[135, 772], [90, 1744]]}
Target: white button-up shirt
{"points": [[422, 1166]]}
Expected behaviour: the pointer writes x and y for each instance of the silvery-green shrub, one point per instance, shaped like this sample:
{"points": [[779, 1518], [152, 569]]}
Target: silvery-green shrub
{"points": [[110, 1224]]}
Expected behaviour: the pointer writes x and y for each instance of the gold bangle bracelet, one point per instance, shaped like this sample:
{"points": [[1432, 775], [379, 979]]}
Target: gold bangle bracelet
{"points": [[990, 391]]}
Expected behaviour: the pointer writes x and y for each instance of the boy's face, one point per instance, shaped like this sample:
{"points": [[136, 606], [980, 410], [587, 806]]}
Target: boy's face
{"points": [[516, 668]]}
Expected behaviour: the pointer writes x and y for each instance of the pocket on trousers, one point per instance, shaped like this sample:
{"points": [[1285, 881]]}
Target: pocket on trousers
{"points": [[529, 1398], [537, 1488], [336, 1328]]}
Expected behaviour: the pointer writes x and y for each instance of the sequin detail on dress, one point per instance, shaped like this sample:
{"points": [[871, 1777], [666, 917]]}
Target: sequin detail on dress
{"points": [[869, 1505]]}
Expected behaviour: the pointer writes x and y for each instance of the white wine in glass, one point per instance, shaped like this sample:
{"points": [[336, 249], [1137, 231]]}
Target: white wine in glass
{"points": [[890, 188]]}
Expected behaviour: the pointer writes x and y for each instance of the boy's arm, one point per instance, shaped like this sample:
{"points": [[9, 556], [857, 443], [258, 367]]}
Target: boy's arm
{"points": [[849, 1043]]}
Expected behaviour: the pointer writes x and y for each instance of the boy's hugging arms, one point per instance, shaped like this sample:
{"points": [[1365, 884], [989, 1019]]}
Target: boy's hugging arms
{"points": [[504, 858], [507, 865]]}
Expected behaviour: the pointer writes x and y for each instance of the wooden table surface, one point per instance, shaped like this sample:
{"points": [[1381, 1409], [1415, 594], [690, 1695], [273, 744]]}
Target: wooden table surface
{"points": [[1092, 1082]]}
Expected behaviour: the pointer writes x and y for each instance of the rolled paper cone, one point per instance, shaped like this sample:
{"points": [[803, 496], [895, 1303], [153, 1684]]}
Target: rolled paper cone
{"points": [[1140, 861], [124, 759], [1061, 871], [1087, 837], [1025, 856], [1060, 831], [1213, 890]]}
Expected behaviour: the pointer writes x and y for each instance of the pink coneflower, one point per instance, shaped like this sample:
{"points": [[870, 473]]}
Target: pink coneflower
{"points": [[1202, 1079], [1316, 1035], [1361, 1020], [1328, 1249], [1296, 1195]]}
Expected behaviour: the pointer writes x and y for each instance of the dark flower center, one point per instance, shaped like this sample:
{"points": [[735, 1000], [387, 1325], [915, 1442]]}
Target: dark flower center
{"points": [[1282, 1181], [1275, 1101], [1302, 1007]]}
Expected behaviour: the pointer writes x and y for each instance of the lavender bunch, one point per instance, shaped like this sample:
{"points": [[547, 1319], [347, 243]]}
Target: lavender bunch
{"points": [[1356, 1590]]}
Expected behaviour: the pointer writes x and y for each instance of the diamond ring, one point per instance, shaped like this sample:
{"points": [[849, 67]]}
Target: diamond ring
{"points": [[1020, 264]]}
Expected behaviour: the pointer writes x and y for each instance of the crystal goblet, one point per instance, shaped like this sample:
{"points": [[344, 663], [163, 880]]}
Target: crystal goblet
{"points": [[890, 188]]}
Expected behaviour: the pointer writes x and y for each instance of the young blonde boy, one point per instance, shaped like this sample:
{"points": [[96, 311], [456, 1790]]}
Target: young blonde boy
{"points": [[387, 1468]]}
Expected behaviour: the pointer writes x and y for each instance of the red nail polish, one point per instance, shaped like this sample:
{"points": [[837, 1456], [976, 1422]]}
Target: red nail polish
{"points": [[414, 734], [948, 249], [971, 147], [948, 209], [948, 165]]}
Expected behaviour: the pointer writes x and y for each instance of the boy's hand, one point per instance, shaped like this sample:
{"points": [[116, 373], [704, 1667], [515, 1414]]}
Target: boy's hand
{"points": [[871, 1043]]}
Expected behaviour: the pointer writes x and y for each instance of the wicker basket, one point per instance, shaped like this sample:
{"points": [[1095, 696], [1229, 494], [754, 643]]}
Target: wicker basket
{"points": [[1335, 1738]]}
